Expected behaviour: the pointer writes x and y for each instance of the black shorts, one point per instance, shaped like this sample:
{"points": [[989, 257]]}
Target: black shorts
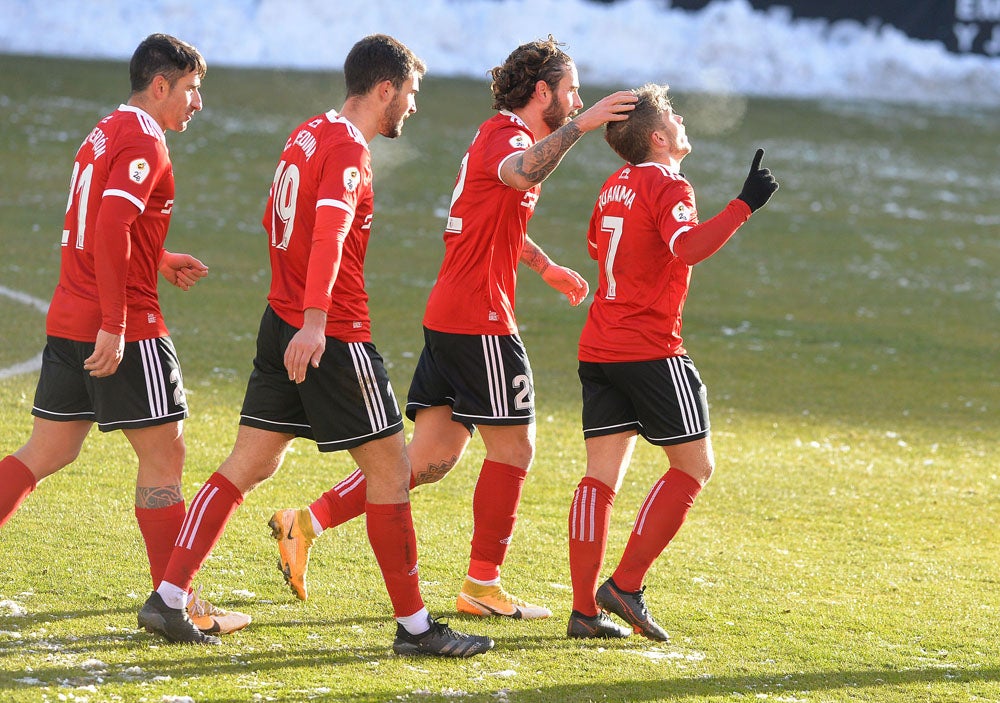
{"points": [[486, 379], [663, 400], [146, 389], [346, 402]]}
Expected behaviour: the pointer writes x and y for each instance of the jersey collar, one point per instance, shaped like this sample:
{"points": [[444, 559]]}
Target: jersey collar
{"points": [[147, 119], [334, 116], [661, 165]]}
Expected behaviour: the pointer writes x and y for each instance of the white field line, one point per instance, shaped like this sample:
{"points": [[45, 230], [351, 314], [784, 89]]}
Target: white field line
{"points": [[43, 307]]}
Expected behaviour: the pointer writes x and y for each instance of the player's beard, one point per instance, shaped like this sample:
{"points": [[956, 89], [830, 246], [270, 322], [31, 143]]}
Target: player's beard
{"points": [[556, 114], [393, 117]]}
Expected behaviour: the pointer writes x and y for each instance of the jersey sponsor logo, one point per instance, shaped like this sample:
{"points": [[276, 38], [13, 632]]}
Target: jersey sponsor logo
{"points": [[682, 213], [352, 179], [138, 170], [529, 200], [520, 141], [623, 176], [167, 207]]}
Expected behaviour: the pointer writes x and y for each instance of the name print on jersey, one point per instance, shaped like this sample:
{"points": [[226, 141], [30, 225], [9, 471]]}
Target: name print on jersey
{"points": [[305, 141], [617, 194], [98, 141]]}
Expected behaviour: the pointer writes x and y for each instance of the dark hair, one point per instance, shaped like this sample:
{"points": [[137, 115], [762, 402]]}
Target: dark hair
{"points": [[377, 58], [630, 138], [514, 82], [163, 55]]}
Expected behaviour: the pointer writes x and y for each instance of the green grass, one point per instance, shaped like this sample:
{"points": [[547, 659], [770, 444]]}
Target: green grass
{"points": [[846, 549]]}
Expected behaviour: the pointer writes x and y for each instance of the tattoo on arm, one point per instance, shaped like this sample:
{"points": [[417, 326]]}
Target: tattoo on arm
{"points": [[435, 472], [535, 164], [157, 496], [534, 258]]}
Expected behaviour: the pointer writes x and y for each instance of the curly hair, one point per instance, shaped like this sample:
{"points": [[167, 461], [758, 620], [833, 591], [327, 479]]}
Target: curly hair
{"points": [[163, 55], [630, 138], [514, 82]]}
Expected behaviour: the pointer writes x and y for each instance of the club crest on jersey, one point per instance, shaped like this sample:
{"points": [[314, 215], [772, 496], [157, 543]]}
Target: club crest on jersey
{"points": [[682, 213], [352, 179], [138, 170], [520, 141]]}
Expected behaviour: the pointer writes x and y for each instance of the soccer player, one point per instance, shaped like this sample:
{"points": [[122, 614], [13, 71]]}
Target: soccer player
{"points": [[473, 370], [317, 374], [108, 356], [636, 375]]}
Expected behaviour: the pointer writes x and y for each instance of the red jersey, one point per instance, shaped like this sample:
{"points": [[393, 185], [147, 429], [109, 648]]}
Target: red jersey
{"points": [[124, 156], [636, 313], [485, 233], [325, 163]]}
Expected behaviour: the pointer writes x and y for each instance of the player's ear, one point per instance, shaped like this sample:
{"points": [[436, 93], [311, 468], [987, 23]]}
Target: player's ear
{"points": [[160, 86], [542, 90], [386, 91]]}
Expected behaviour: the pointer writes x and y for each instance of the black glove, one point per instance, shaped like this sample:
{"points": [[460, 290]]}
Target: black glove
{"points": [[759, 185]]}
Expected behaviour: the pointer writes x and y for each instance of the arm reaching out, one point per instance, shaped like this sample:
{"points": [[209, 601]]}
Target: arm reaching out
{"points": [[533, 165], [697, 243]]}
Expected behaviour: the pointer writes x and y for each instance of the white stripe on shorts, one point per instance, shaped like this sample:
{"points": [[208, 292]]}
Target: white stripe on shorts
{"points": [[152, 370], [686, 401], [496, 377], [369, 386]]}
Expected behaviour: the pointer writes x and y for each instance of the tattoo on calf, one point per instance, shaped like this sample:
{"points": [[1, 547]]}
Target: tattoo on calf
{"points": [[157, 496], [435, 472]]}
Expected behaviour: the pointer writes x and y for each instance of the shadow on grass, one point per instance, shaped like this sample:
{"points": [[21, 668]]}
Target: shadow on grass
{"points": [[798, 682], [143, 659]]}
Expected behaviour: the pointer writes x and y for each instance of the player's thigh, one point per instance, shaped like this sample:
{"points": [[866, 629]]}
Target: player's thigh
{"points": [[509, 444], [693, 458], [52, 445], [349, 399], [670, 400], [160, 450], [386, 468], [256, 456], [486, 379], [146, 390], [608, 457]]}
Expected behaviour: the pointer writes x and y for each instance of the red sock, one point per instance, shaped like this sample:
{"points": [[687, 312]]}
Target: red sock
{"points": [[206, 519], [494, 512], [390, 532], [343, 502], [159, 528], [16, 483], [589, 517], [659, 519]]}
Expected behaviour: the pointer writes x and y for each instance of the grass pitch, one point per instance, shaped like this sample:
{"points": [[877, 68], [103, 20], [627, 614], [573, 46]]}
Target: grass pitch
{"points": [[844, 551]]}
